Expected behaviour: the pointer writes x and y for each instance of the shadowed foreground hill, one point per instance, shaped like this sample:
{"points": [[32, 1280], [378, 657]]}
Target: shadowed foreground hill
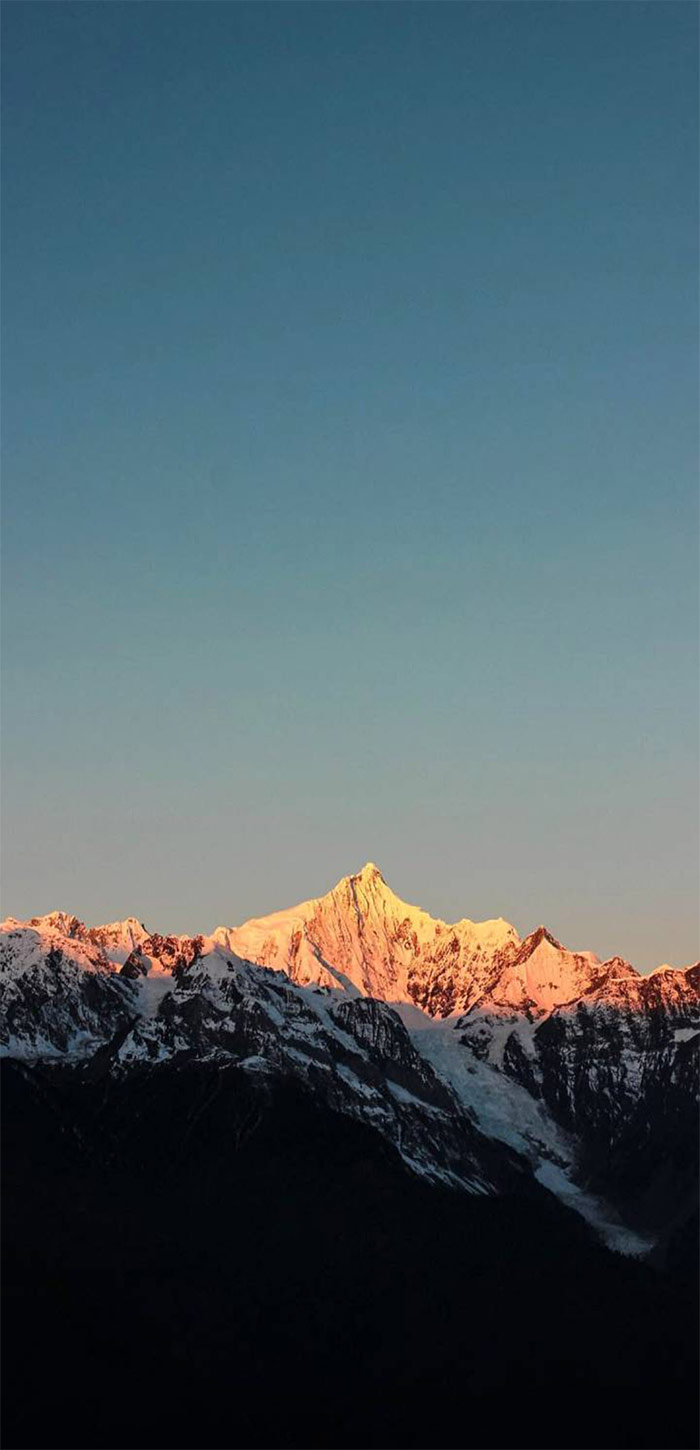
{"points": [[193, 1257]]}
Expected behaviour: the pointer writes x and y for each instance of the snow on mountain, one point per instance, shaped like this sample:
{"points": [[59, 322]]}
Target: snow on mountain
{"points": [[62, 1000], [361, 934], [25, 945], [59, 992], [118, 939], [541, 975], [114, 941], [617, 1069], [508, 1057], [505, 1110], [354, 1052]]}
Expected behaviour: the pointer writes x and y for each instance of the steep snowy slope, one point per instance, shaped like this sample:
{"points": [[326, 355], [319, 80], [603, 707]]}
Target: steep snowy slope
{"points": [[505, 1110]]}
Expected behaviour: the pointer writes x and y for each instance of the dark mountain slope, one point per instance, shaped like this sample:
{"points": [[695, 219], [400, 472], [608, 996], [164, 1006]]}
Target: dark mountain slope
{"points": [[196, 1256]]}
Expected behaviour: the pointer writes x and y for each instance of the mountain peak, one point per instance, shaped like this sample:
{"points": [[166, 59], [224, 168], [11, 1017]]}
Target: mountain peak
{"points": [[535, 938], [369, 873], [61, 921]]}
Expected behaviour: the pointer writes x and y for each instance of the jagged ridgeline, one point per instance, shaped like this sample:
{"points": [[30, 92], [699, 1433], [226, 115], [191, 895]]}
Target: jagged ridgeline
{"points": [[351, 1151], [481, 1057]]}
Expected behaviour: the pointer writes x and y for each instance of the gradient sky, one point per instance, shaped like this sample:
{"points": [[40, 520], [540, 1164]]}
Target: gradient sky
{"points": [[350, 461]]}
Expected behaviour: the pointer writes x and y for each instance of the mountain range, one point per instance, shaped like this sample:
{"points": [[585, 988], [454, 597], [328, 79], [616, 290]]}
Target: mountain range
{"points": [[448, 1039], [492, 1070]]}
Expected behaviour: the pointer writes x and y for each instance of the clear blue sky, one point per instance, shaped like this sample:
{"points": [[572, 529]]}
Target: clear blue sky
{"points": [[350, 461]]}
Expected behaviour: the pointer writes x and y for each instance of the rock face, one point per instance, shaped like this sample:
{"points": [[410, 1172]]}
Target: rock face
{"points": [[489, 1062], [618, 1068]]}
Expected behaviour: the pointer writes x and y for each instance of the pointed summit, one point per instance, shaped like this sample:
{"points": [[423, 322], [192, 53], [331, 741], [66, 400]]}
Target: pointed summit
{"points": [[369, 873], [535, 939], [361, 935]]}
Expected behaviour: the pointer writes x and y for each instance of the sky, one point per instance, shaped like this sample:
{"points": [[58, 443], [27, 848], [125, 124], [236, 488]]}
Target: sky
{"points": [[350, 462]]}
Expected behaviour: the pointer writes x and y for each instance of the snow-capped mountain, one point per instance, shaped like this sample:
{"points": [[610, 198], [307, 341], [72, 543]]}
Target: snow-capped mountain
{"points": [[362, 934], [488, 1062]]}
